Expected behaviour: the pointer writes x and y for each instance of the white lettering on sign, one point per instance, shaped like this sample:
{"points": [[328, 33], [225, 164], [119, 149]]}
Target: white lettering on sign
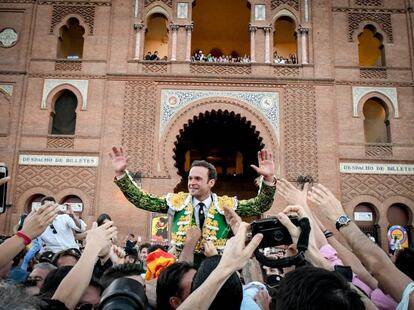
{"points": [[56, 160], [368, 168]]}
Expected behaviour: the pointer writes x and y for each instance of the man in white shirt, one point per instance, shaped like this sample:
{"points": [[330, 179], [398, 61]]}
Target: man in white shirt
{"points": [[59, 235]]}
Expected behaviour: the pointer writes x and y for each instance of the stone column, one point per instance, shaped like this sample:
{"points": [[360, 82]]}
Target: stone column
{"points": [[267, 31], [252, 30], [304, 40], [189, 30], [174, 30], [138, 30]]}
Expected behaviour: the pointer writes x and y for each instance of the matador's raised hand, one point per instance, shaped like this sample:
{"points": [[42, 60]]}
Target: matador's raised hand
{"points": [[266, 165], [119, 160]]}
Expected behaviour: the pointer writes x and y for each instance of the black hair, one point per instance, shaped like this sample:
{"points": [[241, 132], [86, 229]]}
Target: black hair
{"points": [[212, 172], [404, 261], [47, 198], [120, 271], [169, 283], [155, 247], [75, 253], [53, 280], [101, 219], [144, 245], [316, 288], [230, 295]]}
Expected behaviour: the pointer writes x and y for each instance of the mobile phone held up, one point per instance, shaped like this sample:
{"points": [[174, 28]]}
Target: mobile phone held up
{"points": [[3, 188], [274, 233]]}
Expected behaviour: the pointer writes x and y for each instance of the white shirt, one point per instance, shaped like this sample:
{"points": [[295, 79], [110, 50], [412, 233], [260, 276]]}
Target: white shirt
{"points": [[63, 238], [207, 204]]}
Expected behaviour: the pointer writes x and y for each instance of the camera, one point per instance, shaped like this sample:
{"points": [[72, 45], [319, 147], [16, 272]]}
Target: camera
{"points": [[125, 294], [274, 233]]}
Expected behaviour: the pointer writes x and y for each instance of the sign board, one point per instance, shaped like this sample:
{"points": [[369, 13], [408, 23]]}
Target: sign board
{"points": [[363, 216], [368, 168], [57, 160]]}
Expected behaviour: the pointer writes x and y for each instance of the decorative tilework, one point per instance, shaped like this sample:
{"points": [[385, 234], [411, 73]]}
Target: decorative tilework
{"points": [[174, 100], [81, 85], [389, 92], [8, 89]]}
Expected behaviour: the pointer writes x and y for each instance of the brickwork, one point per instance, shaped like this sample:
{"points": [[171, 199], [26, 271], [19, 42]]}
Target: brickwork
{"points": [[317, 127]]}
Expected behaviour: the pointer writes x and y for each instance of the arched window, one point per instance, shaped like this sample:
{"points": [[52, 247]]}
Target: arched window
{"points": [[70, 42], [221, 30], [64, 115], [285, 41], [370, 47], [398, 214], [156, 38], [376, 123]]}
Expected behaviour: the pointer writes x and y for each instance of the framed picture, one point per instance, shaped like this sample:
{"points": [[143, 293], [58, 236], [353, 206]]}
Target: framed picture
{"points": [[159, 227]]}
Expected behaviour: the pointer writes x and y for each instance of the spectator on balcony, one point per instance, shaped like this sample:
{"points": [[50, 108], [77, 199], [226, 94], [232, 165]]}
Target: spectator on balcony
{"points": [[148, 56], [154, 56]]}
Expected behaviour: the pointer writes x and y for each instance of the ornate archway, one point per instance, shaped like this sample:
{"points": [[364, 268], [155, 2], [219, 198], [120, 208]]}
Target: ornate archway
{"points": [[227, 140], [242, 113]]}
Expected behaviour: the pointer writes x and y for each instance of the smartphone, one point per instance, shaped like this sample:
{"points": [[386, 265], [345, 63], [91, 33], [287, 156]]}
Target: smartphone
{"points": [[3, 189], [63, 208]]}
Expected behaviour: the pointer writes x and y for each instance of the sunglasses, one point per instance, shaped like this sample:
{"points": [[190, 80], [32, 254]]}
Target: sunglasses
{"points": [[53, 229]]}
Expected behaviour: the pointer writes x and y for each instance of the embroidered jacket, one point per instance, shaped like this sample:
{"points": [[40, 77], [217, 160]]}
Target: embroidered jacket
{"points": [[180, 206]]}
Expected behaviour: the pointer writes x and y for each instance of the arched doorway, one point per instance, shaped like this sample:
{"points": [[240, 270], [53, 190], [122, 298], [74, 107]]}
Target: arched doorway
{"points": [[366, 217], [228, 141]]}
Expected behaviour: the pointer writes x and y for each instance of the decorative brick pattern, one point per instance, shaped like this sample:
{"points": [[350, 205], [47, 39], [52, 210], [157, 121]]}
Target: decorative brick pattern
{"points": [[376, 185], [155, 67], [68, 65], [293, 3], [382, 19], [139, 125], [60, 143], [167, 2], [373, 73], [56, 179], [86, 11], [378, 150], [369, 2], [300, 132], [287, 71], [220, 69]]}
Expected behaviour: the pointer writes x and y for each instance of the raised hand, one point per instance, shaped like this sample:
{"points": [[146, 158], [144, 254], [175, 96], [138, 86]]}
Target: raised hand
{"points": [[326, 201], [100, 237], [119, 160], [233, 219], [266, 165], [291, 194], [236, 253], [209, 249], [37, 221]]}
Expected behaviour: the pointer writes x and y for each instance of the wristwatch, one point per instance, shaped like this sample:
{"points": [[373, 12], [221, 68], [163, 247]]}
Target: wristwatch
{"points": [[342, 221]]}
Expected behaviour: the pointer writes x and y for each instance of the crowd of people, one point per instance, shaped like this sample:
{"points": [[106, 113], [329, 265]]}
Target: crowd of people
{"points": [[200, 57], [154, 57], [54, 261], [292, 59]]}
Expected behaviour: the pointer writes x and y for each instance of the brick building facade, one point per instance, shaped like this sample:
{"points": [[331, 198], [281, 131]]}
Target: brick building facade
{"points": [[312, 113]]}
